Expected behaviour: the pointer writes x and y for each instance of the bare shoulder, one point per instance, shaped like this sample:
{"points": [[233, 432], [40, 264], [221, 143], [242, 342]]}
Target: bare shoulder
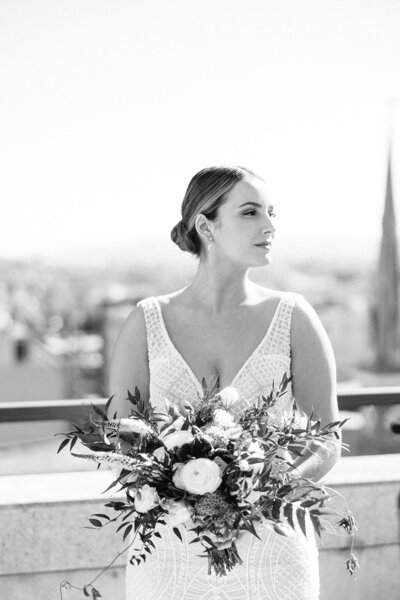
{"points": [[134, 327], [308, 335], [304, 317], [129, 365]]}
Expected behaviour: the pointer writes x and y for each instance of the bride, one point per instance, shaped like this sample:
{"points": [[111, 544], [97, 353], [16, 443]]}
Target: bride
{"points": [[222, 324]]}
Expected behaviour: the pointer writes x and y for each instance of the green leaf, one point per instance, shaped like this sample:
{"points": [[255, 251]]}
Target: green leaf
{"points": [[127, 531], [301, 517], [316, 524], [177, 533], [62, 445], [107, 406], [275, 509], [96, 522], [99, 411], [288, 512], [284, 490], [209, 541], [131, 398]]}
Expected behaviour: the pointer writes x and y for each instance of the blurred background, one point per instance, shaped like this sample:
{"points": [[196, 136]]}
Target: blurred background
{"points": [[107, 109]]}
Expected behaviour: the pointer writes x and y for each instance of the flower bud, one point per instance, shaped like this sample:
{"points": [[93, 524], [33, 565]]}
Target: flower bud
{"points": [[229, 396], [146, 498]]}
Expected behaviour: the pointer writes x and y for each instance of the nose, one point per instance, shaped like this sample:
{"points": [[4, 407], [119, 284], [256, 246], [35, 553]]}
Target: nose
{"points": [[269, 226]]}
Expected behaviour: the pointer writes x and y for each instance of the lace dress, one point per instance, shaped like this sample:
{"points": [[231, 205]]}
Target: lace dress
{"points": [[275, 567]]}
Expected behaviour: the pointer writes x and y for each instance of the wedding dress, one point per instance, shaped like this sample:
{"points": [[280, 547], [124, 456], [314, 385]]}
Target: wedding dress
{"points": [[275, 567]]}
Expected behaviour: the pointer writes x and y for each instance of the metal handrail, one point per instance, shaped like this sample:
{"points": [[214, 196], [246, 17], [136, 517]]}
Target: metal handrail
{"points": [[72, 410]]}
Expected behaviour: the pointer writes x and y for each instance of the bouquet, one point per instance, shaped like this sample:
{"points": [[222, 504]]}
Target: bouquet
{"points": [[203, 468]]}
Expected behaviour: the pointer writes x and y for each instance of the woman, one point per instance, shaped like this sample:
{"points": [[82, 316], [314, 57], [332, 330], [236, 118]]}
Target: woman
{"points": [[224, 325]]}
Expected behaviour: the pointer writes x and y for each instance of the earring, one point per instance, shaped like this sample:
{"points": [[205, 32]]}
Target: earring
{"points": [[209, 246]]}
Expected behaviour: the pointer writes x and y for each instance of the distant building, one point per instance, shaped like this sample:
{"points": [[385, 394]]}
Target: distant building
{"points": [[385, 310]]}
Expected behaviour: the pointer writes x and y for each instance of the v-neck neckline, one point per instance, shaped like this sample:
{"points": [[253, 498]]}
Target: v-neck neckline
{"points": [[186, 365]]}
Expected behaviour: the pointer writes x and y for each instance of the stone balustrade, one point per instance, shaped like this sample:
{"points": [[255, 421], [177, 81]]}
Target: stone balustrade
{"points": [[43, 539]]}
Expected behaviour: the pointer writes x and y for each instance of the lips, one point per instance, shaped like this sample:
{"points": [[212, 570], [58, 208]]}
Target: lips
{"points": [[264, 245]]}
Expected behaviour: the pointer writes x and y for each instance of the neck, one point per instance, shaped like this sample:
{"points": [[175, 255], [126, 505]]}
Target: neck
{"points": [[220, 285]]}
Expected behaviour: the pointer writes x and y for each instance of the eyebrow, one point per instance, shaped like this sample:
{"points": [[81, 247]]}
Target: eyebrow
{"points": [[257, 204]]}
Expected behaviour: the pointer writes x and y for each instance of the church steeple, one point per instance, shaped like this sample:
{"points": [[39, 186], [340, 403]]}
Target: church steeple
{"points": [[387, 287]]}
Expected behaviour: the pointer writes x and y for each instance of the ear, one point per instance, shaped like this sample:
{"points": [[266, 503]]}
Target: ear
{"points": [[204, 227]]}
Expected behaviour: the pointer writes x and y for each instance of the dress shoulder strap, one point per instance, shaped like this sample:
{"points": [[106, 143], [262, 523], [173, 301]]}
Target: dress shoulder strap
{"points": [[278, 342], [156, 342]]}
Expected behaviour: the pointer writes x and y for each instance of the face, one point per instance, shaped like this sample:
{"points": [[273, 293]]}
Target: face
{"points": [[244, 228]]}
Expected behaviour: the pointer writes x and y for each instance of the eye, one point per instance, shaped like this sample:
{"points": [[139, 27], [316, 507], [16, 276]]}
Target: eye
{"points": [[250, 212], [272, 214]]}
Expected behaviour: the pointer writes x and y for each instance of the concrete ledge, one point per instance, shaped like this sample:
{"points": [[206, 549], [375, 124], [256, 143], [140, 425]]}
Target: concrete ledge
{"points": [[43, 538]]}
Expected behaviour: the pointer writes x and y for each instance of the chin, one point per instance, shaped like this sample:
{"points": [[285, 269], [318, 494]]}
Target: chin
{"points": [[264, 260]]}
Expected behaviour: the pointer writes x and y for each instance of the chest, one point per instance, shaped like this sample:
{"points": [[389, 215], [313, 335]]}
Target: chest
{"points": [[219, 345]]}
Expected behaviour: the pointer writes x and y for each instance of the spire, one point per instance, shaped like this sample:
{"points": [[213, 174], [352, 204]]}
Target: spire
{"points": [[387, 290]]}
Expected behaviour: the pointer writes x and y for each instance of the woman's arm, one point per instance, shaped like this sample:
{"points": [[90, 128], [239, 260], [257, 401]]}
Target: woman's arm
{"points": [[129, 364], [314, 386]]}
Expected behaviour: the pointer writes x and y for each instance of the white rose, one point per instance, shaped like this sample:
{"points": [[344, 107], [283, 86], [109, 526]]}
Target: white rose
{"points": [[223, 418], [178, 439], [146, 498], [229, 396], [177, 513], [198, 476]]}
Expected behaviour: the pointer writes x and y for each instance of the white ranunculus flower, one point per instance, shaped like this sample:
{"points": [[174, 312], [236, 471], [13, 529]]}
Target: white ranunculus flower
{"points": [[178, 439], [229, 396], [146, 498], [223, 418], [177, 513], [198, 476]]}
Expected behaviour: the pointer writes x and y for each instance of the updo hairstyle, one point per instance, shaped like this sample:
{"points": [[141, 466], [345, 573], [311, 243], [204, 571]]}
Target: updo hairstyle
{"points": [[206, 192]]}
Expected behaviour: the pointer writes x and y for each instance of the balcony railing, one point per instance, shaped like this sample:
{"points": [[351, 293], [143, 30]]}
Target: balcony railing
{"points": [[71, 410]]}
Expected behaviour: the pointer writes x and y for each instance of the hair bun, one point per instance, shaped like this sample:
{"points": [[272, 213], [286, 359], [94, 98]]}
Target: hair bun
{"points": [[183, 238]]}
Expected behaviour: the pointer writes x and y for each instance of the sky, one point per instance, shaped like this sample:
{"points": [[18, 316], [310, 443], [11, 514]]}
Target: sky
{"points": [[109, 107]]}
